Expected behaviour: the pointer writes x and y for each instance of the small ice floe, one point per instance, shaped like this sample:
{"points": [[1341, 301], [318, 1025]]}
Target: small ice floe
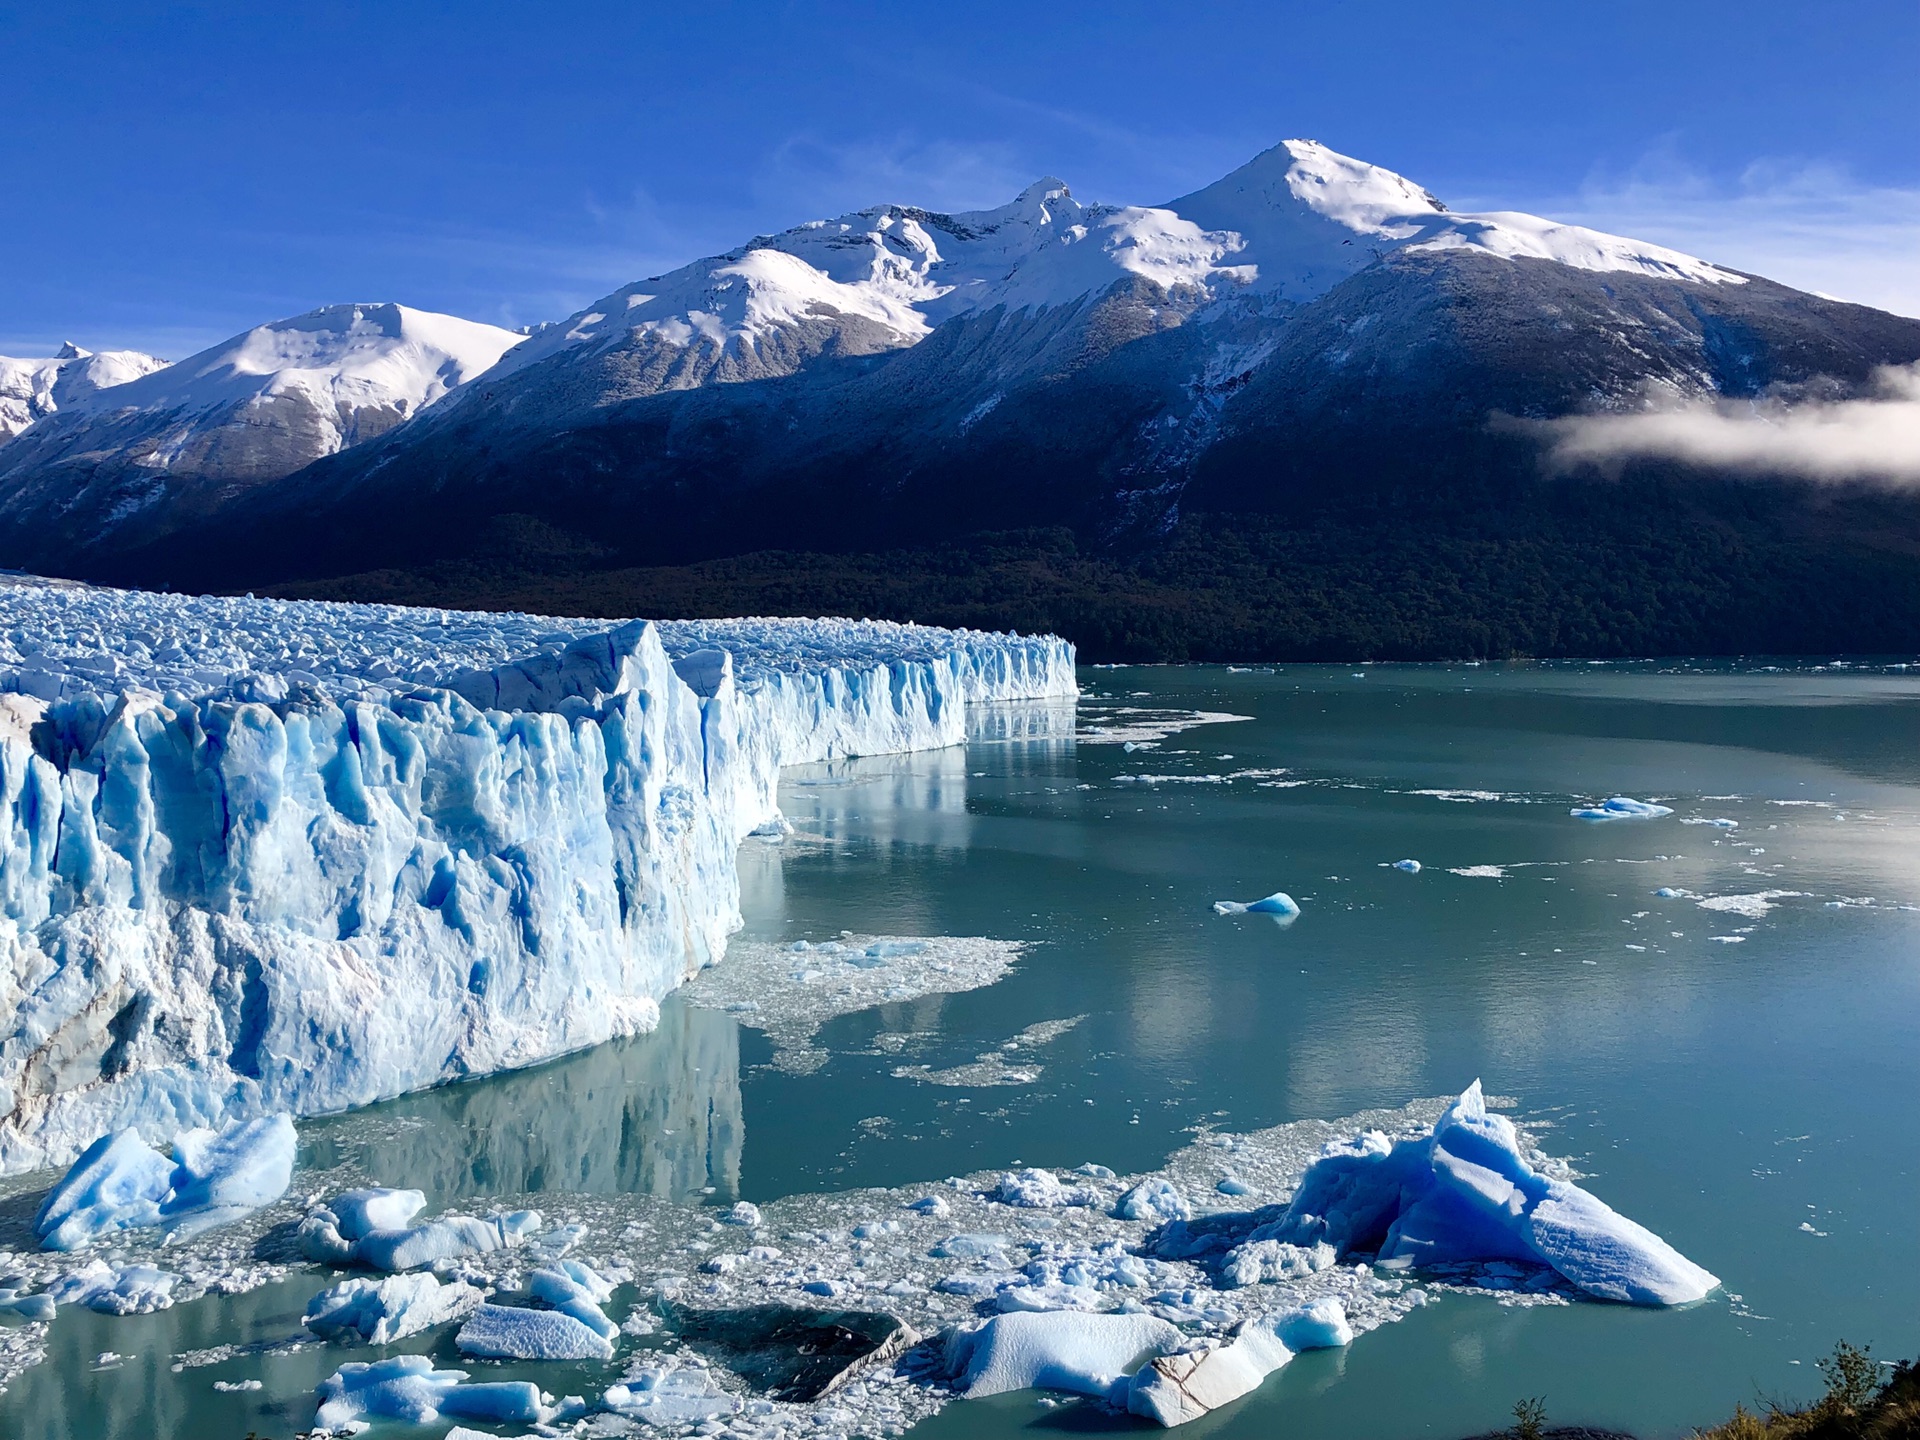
{"points": [[214, 1178], [235, 1387], [1674, 892], [1620, 807], [382, 1311], [1728, 939], [1267, 1262], [331, 1237], [1410, 867], [743, 1212], [407, 1387], [1753, 906], [1721, 824], [1279, 904], [106, 1290], [670, 1394], [510, 1332], [1480, 872]]}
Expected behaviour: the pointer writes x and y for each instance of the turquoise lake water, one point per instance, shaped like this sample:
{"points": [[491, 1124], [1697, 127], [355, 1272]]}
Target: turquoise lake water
{"points": [[1750, 1097]]}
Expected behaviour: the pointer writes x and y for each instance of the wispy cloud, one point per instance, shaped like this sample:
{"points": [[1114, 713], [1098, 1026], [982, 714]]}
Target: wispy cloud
{"points": [[815, 178], [1874, 439], [1807, 224]]}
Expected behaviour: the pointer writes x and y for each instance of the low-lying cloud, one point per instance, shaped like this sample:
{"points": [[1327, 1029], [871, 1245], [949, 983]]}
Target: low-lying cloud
{"points": [[1874, 439]]}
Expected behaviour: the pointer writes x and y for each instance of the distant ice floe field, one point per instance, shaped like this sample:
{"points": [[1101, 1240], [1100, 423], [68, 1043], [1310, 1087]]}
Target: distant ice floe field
{"points": [[263, 856]]}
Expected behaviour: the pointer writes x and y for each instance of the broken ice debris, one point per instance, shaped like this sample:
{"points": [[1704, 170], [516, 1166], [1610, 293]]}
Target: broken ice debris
{"points": [[1412, 867], [1279, 903], [215, 1177], [1620, 808], [128, 1290]]}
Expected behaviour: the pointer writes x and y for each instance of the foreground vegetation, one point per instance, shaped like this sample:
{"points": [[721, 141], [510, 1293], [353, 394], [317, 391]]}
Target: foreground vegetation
{"points": [[1863, 1402]]}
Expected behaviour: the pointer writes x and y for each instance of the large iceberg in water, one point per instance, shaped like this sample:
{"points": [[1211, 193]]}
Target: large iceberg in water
{"points": [[1463, 1194], [263, 856]]}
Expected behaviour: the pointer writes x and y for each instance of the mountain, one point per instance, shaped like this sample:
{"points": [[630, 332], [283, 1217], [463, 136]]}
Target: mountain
{"points": [[1297, 412], [32, 389], [183, 439]]}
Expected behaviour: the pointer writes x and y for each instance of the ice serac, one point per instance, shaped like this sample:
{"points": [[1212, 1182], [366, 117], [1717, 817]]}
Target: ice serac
{"points": [[264, 856]]}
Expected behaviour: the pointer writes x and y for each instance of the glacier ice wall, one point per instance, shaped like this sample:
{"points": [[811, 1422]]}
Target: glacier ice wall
{"points": [[263, 855]]}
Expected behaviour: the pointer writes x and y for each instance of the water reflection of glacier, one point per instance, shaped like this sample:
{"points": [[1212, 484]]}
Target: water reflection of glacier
{"points": [[1025, 720], [659, 1114]]}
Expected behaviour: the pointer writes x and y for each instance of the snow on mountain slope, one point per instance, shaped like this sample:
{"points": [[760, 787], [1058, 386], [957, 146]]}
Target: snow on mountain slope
{"points": [[1294, 221], [1308, 217], [30, 389], [340, 358], [900, 270], [263, 855]]}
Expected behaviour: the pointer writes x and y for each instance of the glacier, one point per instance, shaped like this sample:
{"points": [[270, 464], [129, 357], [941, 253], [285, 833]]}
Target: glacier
{"points": [[263, 856]]}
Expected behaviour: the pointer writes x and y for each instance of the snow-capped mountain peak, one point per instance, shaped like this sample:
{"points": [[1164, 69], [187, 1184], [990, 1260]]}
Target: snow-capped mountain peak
{"points": [[33, 388], [1293, 221], [345, 355]]}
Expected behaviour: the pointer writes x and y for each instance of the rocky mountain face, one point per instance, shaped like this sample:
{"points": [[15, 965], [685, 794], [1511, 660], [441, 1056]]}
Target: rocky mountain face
{"points": [[1310, 361]]}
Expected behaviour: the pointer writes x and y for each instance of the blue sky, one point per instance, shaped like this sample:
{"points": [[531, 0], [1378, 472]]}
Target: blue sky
{"points": [[176, 173]]}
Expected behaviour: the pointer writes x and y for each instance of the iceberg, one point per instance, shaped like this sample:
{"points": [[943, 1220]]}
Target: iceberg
{"points": [[264, 857], [1464, 1195], [433, 1242], [1278, 904], [407, 1387], [1620, 808], [382, 1311], [1176, 1388], [215, 1178]]}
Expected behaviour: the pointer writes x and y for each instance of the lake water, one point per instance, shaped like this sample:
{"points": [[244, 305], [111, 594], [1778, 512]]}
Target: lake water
{"points": [[1744, 1084]]}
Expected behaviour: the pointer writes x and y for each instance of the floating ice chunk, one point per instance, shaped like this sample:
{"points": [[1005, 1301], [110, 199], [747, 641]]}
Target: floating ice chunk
{"points": [[1279, 903], [1620, 808], [1464, 1194], [670, 1395], [744, 1213], [1318, 1325], [1154, 1199], [1176, 1388], [1412, 867], [1054, 1350], [117, 1184], [358, 1213], [1670, 892], [932, 1205], [577, 1290], [407, 1387], [25, 1307], [451, 1237], [234, 1387], [508, 1332], [129, 1290], [1754, 906], [1038, 1190], [215, 1177], [382, 1311], [1480, 872], [222, 1175], [1722, 824], [1263, 1262], [1093, 1171]]}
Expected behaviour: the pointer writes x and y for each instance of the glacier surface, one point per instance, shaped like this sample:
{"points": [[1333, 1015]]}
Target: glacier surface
{"points": [[263, 856]]}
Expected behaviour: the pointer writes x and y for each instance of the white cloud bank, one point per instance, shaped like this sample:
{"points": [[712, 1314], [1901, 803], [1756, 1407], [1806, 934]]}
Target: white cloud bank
{"points": [[1874, 439]]}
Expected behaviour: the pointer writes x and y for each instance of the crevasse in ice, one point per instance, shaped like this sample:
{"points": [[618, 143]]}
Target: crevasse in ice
{"points": [[264, 856]]}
